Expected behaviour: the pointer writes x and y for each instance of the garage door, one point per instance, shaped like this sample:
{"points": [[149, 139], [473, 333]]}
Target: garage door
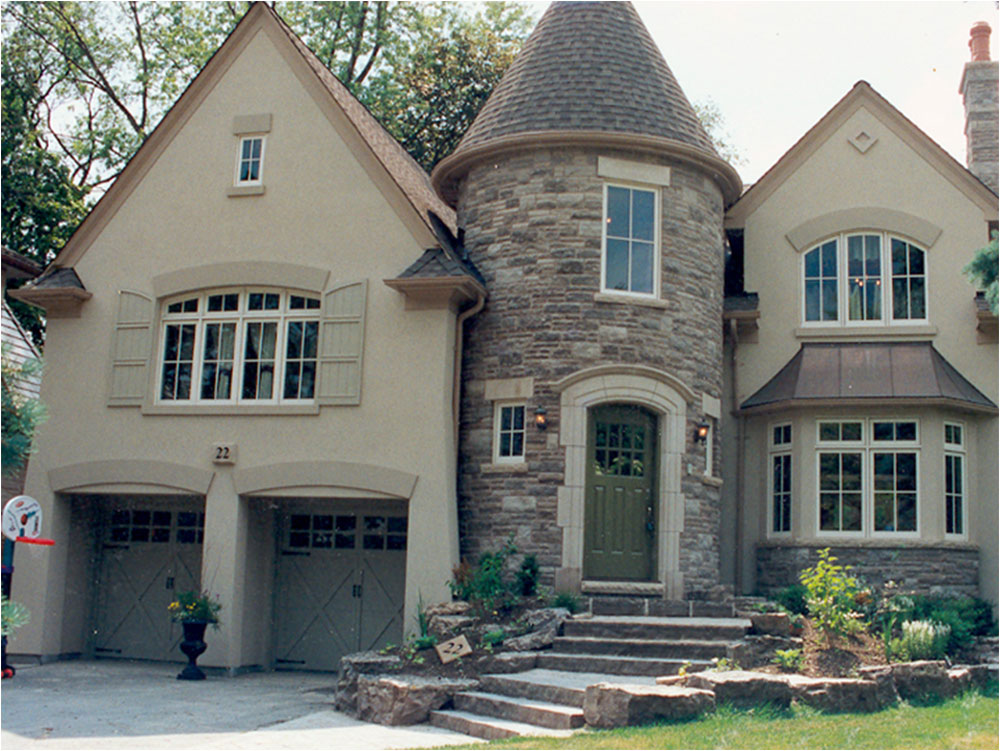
{"points": [[150, 549], [340, 581]]}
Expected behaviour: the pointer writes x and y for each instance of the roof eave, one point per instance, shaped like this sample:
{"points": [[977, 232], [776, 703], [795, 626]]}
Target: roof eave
{"points": [[57, 302], [838, 403], [450, 170], [423, 292]]}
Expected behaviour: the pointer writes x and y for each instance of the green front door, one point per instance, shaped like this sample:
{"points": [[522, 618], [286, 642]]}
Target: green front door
{"points": [[620, 516]]}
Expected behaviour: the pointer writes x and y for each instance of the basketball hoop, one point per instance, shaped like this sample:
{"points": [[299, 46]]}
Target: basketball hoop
{"points": [[35, 540]]}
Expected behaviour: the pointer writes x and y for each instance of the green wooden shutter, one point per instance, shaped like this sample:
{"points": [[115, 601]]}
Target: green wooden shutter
{"points": [[132, 349], [342, 344]]}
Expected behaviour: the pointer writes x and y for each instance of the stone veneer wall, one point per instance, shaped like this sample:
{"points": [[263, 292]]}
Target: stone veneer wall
{"points": [[532, 224], [925, 568]]}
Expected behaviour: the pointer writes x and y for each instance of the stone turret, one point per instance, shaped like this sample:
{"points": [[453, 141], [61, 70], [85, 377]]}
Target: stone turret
{"points": [[979, 95], [592, 202]]}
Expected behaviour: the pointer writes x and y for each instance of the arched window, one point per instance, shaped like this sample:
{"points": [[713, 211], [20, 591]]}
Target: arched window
{"points": [[845, 279], [239, 345]]}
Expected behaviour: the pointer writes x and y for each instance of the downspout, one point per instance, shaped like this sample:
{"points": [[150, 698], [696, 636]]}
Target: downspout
{"points": [[738, 552], [456, 387]]}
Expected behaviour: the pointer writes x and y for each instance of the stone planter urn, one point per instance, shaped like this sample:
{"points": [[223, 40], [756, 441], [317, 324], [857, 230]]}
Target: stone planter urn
{"points": [[193, 646]]}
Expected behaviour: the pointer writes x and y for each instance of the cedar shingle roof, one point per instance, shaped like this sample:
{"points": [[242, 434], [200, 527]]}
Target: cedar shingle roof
{"points": [[880, 372], [589, 67]]}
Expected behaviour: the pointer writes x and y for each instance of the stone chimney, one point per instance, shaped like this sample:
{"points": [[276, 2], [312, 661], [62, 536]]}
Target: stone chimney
{"points": [[979, 94]]}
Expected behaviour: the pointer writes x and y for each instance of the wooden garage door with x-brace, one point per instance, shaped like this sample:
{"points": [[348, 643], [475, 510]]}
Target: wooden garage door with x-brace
{"points": [[340, 584]]}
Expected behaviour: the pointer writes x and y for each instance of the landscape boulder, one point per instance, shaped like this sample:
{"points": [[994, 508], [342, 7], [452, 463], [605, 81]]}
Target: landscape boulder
{"points": [[540, 639], [885, 685], [458, 607], [508, 662], [608, 705], [354, 665], [545, 618], [837, 694], [772, 624], [756, 650], [922, 678], [405, 700], [441, 624], [742, 688]]}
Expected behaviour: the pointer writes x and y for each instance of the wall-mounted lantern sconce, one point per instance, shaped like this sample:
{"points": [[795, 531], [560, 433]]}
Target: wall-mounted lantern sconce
{"points": [[701, 432], [540, 420]]}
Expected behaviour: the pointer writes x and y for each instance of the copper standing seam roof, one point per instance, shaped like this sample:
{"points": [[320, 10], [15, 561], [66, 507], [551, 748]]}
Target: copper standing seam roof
{"points": [[911, 371], [589, 66]]}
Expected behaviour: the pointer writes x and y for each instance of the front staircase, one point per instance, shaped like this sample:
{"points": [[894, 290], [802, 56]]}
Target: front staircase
{"points": [[548, 700]]}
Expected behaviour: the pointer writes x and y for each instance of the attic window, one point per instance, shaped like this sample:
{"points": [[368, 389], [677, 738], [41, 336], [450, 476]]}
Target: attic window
{"points": [[250, 160]]}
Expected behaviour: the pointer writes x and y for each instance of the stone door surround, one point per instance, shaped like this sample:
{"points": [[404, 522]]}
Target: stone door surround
{"points": [[667, 397]]}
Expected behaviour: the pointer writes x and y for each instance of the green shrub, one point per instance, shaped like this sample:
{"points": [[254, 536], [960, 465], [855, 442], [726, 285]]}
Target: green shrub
{"points": [[425, 642], [966, 617], [789, 660], [921, 640], [494, 638], [485, 585], [566, 600], [13, 615], [832, 592], [527, 576], [793, 599]]}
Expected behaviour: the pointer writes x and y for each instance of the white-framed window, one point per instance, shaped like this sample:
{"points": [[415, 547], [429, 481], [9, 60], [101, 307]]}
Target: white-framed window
{"points": [[780, 459], [864, 278], [250, 160], [509, 433], [630, 245], [954, 480], [239, 345], [868, 476]]}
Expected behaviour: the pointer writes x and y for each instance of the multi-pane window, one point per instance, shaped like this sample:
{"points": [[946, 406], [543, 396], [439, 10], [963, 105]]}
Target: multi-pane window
{"points": [[620, 449], [243, 345], [250, 160], [630, 240], [954, 480], [781, 478], [509, 438], [868, 476], [846, 280]]}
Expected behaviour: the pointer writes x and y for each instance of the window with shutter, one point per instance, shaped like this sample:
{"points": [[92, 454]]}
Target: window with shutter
{"points": [[132, 347]]}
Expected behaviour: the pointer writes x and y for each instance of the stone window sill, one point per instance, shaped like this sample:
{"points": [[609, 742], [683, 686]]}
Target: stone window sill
{"points": [[822, 333], [231, 409], [649, 302], [241, 191], [499, 469]]}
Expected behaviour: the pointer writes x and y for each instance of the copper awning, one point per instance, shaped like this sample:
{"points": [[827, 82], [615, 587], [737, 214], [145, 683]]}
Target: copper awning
{"points": [[901, 372]]}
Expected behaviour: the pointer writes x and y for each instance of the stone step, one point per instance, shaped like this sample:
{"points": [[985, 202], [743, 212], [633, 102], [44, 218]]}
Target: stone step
{"points": [[658, 607], [517, 709], [554, 686], [487, 728], [648, 627], [617, 665], [687, 649]]}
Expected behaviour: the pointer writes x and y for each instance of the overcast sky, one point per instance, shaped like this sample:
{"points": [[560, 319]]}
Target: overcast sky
{"points": [[775, 68]]}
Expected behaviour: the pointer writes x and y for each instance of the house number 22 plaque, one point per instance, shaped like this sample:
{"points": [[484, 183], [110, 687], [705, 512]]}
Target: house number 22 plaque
{"points": [[453, 649]]}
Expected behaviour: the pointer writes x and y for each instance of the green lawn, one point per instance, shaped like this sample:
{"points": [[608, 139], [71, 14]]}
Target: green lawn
{"points": [[968, 721]]}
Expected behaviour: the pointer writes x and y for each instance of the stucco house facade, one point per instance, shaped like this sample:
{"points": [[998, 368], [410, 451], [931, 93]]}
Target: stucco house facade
{"points": [[286, 366]]}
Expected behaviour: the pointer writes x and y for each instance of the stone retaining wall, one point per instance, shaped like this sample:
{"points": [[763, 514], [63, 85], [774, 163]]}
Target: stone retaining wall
{"points": [[925, 569]]}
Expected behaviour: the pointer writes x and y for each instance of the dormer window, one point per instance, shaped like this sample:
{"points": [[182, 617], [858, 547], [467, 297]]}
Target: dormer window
{"points": [[250, 160], [862, 279]]}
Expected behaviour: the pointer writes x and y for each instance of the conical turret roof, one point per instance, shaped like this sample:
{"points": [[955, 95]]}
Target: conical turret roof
{"points": [[589, 66]]}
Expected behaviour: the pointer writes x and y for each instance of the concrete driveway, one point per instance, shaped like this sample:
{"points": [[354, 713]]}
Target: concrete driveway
{"points": [[110, 704]]}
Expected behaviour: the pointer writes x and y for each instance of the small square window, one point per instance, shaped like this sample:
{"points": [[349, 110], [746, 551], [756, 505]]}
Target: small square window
{"points": [[781, 435], [953, 434]]}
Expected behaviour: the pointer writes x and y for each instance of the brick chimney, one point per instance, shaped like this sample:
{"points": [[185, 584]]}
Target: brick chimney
{"points": [[979, 94]]}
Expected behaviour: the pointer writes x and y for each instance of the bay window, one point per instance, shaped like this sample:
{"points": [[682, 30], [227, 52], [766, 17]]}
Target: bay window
{"points": [[867, 476]]}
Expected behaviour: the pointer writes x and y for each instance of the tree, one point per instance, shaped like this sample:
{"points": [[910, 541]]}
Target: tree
{"points": [[107, 72], [41, 206], [983, 268], [20, 413], [714, 123]]}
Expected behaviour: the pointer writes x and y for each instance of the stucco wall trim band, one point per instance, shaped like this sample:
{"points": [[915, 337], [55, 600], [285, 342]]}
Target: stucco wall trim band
{"points": [[264, 273], [130, 472], [808, 233], [370, 477]]}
